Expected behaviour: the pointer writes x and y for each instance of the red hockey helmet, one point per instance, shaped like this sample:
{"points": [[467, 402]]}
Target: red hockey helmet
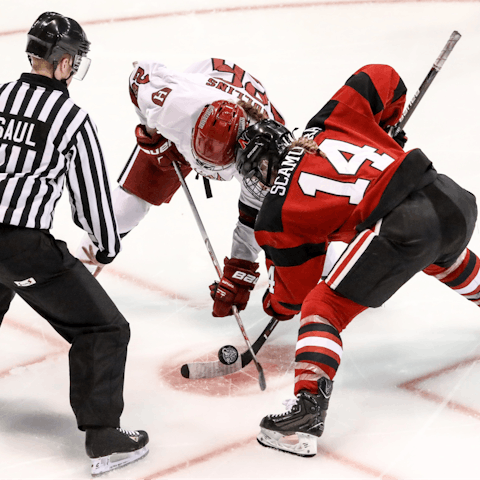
{"points": [[216, 132]]}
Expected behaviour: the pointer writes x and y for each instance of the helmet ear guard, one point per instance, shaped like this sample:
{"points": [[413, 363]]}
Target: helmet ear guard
{"points": [[215, 134], [52, 35]]}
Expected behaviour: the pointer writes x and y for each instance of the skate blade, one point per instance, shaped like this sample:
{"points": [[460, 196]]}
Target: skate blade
{"points": [[305, 447], [111, 462]]}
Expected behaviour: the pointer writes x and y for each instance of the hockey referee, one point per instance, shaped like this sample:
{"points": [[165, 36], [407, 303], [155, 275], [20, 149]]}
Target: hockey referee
{"points": [[46, 140]]}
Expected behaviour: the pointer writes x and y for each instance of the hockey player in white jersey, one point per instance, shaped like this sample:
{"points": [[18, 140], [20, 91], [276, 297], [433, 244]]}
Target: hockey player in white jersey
{"points": [[193, 118]]}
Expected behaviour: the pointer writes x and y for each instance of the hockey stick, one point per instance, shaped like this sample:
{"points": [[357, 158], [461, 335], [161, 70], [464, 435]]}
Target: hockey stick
{"points": [[452, 41], [213, 369], [198, 370], [261, 375]]}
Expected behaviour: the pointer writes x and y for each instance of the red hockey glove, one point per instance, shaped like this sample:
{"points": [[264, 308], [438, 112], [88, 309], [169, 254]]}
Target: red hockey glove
{"points": [[164, 151], [239, 277], [267, 307]]}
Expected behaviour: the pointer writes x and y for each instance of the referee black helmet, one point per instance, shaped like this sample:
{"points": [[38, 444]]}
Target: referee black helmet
{"points": [[53, 35]]}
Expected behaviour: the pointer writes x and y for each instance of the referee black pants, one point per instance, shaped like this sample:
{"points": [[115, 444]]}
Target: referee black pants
{"points": [[58, 287]]}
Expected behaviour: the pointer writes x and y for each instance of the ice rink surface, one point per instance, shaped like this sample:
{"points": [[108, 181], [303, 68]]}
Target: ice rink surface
{"points": [[406, 400]]}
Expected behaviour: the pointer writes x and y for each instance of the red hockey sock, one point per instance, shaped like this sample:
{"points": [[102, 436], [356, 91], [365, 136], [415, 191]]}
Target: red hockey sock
{"points": [[319, 351], [463, 276]]}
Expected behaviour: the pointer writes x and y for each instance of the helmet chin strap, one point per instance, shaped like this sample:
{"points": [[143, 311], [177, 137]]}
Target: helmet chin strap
{"points": [[269, 173], [65, 80]]}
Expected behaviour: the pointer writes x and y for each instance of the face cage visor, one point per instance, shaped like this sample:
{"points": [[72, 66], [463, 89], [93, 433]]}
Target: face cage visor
{"points": [[255, 186], [210, 166], [80, 66], [258, 180]]}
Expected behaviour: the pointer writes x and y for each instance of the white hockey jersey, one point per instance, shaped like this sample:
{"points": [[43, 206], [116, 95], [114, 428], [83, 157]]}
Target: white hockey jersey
{"points": [[171, 101]]}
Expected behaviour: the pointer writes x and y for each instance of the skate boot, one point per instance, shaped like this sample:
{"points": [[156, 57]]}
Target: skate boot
{"points": [[111, 448], [305, 419]]}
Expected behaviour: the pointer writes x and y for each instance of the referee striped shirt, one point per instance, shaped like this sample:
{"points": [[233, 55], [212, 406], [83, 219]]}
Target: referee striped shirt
{"points": [[46, 141]]}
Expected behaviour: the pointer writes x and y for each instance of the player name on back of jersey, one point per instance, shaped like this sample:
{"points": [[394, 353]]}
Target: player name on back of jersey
{"points": [[230, 89], [17, 131], [287, 167]]}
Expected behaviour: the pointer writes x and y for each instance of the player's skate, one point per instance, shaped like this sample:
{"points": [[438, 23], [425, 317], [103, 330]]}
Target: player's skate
{"points": [[305, 419], [111, 448]]}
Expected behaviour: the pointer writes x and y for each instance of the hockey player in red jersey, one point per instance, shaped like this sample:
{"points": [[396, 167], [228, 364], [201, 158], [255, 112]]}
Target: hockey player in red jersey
{"points": [[346, 179], [193, 118]]}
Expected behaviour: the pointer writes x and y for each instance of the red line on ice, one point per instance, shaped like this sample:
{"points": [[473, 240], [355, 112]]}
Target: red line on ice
{"points": [[414, 387], [244, 8], [61, 347], [411, 386], [246, 442]]}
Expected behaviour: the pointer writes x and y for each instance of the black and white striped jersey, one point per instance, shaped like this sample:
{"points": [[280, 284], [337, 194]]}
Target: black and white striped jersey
{"points": [[46, 141]]}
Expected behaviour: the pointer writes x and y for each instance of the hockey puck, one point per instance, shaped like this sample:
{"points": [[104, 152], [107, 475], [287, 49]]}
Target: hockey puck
{"points": [[228, 355], [185, 371]]}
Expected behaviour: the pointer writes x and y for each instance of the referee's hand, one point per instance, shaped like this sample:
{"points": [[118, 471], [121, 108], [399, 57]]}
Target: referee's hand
{"points": [[91, 260]]}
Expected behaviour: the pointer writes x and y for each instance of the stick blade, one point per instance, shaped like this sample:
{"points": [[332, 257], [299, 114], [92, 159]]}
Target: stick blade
{"points": [[209, 369]]}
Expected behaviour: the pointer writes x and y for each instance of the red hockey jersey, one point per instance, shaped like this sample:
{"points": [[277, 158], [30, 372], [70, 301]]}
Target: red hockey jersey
{"points": [[316, 200]]}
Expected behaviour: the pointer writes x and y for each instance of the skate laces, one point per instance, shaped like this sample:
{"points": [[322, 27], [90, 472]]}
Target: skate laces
{"points": [[289, 405]]}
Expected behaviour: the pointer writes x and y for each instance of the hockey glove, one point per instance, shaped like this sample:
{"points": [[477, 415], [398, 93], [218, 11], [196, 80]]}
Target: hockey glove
{"points": [[164, 151], [400, 137], [239, 277], [267, 307]]}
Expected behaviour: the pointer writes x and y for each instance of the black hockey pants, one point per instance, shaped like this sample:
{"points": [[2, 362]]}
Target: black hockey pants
{"points": [[431, 226], [58, 287]]}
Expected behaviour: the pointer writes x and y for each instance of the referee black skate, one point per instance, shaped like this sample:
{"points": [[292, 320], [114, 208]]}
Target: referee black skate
{"points": [[47, 141]]}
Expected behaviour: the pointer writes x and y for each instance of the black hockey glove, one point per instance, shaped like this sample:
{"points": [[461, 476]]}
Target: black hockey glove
{"points": [[400, 137]]}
